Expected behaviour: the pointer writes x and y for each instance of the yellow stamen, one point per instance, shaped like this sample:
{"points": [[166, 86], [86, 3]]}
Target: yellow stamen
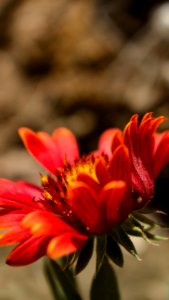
{"points": [[48, 195], [44, 180], [85, 165]]}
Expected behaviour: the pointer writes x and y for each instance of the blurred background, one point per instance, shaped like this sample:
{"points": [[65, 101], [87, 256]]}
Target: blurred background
{"points": [[87, 65]]}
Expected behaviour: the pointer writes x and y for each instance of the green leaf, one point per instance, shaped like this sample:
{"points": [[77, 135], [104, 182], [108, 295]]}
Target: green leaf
{"points": [[104, 285], [84, 256], [100, 251], [125, 241], [60, 282], [114, 252]]}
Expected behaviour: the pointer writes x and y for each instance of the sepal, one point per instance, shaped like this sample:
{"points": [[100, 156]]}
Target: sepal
{"points": [[100, 251], [140, 225], [123, 239], [84, 256], [114, 252], [104, 285]]}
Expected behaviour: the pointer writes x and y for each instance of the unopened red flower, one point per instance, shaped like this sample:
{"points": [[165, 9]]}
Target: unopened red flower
{"points": [[82, 196], [148, 150]]}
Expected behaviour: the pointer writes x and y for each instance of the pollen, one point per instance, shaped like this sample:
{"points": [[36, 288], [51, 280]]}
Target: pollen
{"points": [[44, 180], [86, 165], [55, 187], [48, 196]]}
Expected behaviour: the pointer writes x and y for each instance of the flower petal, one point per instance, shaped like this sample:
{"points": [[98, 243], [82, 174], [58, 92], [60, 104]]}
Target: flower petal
{"points": [[117, 202], [161, 154], [84, 202], [14, 235], [111, 138], [42, 147], [51, 151], [83, 177], [10, 219], [65, 244], [66, 143], [20, 191], [28, 251], [46, 223], [102, 172], [146, 141], [140, 145], [120, 165]]}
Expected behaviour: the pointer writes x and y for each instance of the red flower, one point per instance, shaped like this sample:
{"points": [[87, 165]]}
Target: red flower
{"points": [[83, 196], [149, 152]]}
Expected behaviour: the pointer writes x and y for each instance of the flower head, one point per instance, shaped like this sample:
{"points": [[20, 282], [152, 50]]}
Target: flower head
{"points": [[83, 196]]}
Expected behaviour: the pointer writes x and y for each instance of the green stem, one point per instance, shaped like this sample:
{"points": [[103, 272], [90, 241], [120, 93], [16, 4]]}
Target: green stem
{"points": [[54, 287], [60, 282]]}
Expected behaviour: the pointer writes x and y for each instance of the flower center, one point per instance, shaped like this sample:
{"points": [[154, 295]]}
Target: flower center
{"points": [[85, 165], [55, 187]]}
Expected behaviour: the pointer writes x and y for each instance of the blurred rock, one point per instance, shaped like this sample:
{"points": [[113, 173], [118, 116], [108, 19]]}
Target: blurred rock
{"points": [[160, 20]]}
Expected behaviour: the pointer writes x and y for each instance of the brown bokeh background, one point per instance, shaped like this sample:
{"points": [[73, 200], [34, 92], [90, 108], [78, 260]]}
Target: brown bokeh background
{"points": [[86, 65]]}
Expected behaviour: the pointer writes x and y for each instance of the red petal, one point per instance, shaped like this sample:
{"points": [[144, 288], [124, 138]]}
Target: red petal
{"points": [[84, 202], [42, 147], [10, 219], [28, 251], [161, 155], [46, 223], [51, 151], [14, 235], [18, 190], [102, 172], [158, 138], [140, 142], [20, 193], [83, 177], [146, 140], [109, 138], [66, 143], [120, 168], [147, 116], [117, 202], [131, 134], [64, 245], [65, 239]]}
